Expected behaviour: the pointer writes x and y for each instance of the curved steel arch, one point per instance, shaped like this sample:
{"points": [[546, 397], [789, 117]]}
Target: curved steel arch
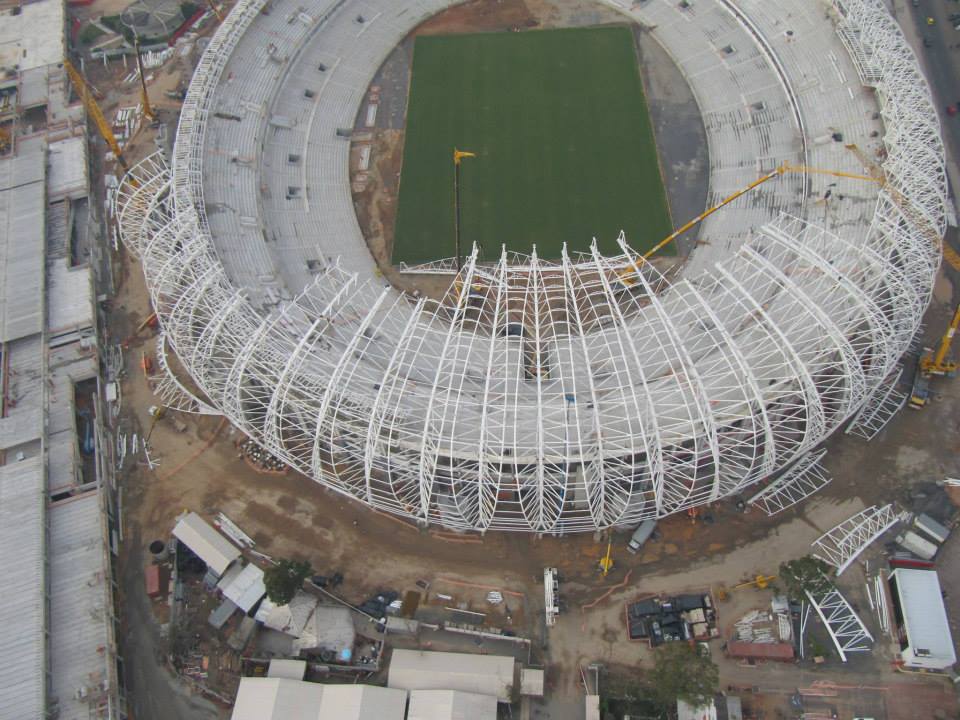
{"points": [[561, 396]]}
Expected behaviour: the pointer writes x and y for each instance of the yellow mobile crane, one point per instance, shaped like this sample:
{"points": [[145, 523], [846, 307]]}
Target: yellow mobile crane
{"points": [[937, 364], [93, 110]]}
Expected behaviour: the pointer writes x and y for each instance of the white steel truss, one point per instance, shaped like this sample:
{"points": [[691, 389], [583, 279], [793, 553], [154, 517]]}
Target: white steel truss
{"points": [[551, 396], [885, 402], [846, 629], [170, 391], [841, 545], [798, 482]]}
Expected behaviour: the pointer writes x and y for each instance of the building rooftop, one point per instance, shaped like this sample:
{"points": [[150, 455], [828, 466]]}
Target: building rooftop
{"points": [[32, 37], [282, 699], [481, 674], [22, 618], [22, 241], [205, 542], [244, 586], [924, 616], [80, 612], [451, 705]]}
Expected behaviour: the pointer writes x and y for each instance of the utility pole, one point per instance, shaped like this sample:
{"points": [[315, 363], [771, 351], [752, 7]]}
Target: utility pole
{"points": [[458, 155]]}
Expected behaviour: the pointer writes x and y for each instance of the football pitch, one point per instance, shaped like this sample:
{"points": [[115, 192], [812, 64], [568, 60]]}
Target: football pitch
{"points": [[564, 147]]}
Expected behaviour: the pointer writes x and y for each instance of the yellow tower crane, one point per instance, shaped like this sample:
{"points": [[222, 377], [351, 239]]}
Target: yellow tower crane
{"points": [[93, 110]]}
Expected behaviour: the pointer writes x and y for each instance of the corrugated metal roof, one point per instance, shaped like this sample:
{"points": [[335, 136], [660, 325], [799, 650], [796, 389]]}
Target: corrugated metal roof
{"points": [[67, 161], [276, 699], [22, 239], [290, 619], [361, 702], [23, 648], [80, 639], [245, 588], [451, 705], [284, 699], [925, 617], [290, 669], [24, 420], [206, 543], [483, 674], [69, 297]]}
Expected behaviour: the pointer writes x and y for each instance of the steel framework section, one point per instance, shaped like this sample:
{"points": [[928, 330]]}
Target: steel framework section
{"points": [[805, 477], [170, 390], [885, 402], [841, 545], [559, 396], [846, 629]]}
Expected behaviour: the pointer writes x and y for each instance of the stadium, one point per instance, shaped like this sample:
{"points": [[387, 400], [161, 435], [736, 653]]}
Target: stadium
{"points": [[560, 391]]}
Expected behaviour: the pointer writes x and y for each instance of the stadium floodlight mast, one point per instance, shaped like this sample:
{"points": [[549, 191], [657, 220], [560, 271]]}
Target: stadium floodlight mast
{"points": [[458, 155]]}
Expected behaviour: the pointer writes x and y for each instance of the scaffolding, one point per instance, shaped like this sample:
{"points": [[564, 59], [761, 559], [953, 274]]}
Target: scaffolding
{"points": [[554, 396]]}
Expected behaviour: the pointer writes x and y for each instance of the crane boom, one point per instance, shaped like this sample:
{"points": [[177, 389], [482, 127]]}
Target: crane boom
{"points": [[93, 110], [776, 172]]}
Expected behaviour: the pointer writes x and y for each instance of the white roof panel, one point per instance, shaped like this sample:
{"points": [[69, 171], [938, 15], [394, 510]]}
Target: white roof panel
{"points": [[22, 241], [67, 161], [451, 705], [482, 674], [79, 604], [276, 699], [23, 649], [361, 702], [290, 669], [273, 698], [69, 297], [925, 617], [245, 588], [205, 542]]}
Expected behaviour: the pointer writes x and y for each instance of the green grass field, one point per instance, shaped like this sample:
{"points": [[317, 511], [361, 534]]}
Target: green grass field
{"points": [[565, 150]]}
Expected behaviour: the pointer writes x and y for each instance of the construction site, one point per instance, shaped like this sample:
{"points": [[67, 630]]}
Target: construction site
{"points": [[513, 483]]}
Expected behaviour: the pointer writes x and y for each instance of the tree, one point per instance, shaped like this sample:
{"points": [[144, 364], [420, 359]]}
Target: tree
{"points": [[284, 579], [680, 672], [806, 573]]}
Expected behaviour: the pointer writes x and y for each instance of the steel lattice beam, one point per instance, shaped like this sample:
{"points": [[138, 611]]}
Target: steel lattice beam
{"points": [[885, 402], [846, 629], [841, 545], [797, 483]]}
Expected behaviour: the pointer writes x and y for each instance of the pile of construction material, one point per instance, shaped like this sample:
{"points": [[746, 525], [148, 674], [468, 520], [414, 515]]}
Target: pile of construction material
{"points": [[679, 618], [259, 459]]}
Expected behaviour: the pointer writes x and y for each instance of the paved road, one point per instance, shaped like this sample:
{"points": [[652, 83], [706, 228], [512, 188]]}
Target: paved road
{"points": [[152, 693]]}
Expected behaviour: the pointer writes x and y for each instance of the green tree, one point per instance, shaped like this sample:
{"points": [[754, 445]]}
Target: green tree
{"points": [[806, 573], [680, 672], [284, 579]]}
